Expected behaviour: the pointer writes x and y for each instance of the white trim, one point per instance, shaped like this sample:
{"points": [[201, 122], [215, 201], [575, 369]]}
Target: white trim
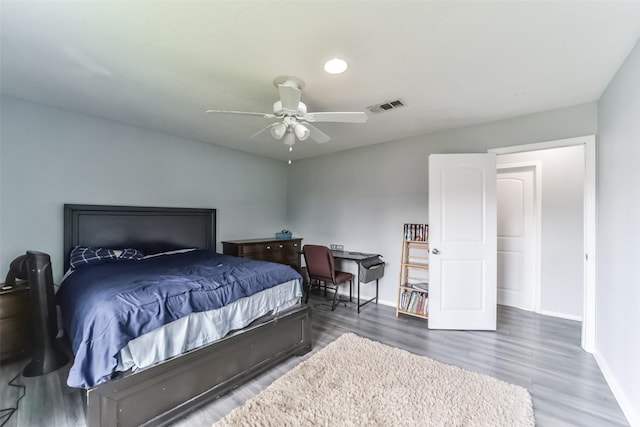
{"points": [[388, 303], [560, 315], [364, 297], [569, 142], [630, 411], [590, 228], [537, 175], [590, 225]]}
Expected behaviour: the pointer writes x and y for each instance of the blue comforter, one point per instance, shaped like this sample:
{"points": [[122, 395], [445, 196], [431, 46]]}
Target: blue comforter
{"points": [[104, 306]]}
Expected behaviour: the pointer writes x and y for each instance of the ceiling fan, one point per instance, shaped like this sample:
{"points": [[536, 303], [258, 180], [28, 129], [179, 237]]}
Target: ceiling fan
{"points": [[293, 120]]}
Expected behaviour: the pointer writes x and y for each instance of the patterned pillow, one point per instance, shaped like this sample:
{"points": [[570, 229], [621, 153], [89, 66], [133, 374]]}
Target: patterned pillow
{"points": [[82, 255]]}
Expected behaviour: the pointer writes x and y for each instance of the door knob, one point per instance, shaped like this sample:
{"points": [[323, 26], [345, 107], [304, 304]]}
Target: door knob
{"points": [[435, 251]]}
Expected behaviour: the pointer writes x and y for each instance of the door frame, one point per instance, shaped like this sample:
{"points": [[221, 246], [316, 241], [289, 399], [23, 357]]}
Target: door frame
{"points": [[590, 225], [536, 165]]}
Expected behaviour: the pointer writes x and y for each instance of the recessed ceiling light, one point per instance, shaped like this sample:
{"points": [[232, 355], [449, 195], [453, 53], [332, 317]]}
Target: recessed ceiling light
{"points": [[335, 66]]}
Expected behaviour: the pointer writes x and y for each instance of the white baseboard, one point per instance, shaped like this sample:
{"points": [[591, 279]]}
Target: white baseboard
{"points": [[631, 412], [364, 297], [543, 312], [560, 315], [388, 303]]}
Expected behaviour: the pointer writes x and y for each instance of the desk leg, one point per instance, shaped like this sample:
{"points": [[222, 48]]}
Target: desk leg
{"points": [[358, 277], [358, 293], [376, 291], [351, 290], [369, 300]]}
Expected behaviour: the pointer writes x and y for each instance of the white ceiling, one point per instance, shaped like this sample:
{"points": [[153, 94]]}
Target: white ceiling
{"points": [[161, 64]]}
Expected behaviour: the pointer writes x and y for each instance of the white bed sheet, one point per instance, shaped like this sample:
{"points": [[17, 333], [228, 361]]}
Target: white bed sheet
{"points": [[198, 329]]}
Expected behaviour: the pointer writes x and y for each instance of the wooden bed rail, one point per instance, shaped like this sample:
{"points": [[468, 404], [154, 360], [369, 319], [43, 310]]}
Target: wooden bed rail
{"points": [[166, 392]]}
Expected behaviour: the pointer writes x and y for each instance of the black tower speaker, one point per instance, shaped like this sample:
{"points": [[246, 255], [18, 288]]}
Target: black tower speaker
{"points": [[48, 355]]}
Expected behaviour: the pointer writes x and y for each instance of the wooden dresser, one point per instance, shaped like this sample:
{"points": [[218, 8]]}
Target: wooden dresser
{"points": [[285, 251], [15, 322]]}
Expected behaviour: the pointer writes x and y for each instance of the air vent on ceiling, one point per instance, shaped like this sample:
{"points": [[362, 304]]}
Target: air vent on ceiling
{"points": [[385, 106]]}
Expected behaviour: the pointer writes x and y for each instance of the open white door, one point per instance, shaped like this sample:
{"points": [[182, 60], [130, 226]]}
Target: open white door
{"points": [[462, 239]]}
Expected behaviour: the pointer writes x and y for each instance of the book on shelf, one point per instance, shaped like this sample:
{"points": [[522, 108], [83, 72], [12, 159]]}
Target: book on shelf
{"points": [[425, 304], [423, 286], [414, 302], [416, 232]]}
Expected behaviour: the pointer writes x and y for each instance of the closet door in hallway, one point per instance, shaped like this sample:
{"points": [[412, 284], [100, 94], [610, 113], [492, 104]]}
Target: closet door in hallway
{"points": [[516, 205]]}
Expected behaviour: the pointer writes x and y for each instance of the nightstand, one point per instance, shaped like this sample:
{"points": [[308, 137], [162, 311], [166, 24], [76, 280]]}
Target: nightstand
{"points": [[15, 322]]}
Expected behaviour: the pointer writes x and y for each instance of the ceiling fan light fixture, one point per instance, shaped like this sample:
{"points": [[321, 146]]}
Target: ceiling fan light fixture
{"points": [[292, 120], [301, 131], [290, 138], [336, 66], [278, 130]]}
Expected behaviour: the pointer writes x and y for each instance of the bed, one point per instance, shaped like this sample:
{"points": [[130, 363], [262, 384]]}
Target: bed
{"points": [[144, 390]]}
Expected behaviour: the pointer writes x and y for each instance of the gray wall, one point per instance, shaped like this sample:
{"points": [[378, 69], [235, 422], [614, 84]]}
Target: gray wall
{"points": [[562, 222], [50, 156], [360, 198], [618, 292]]}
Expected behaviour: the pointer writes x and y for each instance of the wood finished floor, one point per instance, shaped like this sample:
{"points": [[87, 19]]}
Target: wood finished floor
{"points": [[537, 352]]}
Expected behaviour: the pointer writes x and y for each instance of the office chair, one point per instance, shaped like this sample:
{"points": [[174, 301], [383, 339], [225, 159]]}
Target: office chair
{"points": [[322, 269]]}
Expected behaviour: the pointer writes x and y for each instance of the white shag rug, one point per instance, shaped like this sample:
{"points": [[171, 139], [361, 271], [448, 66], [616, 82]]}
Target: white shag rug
{"points": [[358, 382]]}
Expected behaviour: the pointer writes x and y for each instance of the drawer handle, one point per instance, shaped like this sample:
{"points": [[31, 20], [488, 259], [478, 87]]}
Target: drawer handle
{"points": [[268, 247], [281, 246]]}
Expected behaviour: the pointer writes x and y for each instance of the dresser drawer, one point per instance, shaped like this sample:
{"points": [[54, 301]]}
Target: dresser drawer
{"points": [[255, 248], [280, 251], [258, 256], [283, 251], [14, 303], [15, 322], [15, 333]]}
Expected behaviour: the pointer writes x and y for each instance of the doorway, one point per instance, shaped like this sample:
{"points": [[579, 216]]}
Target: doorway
{"points": [[589, 225], [518, 239]]}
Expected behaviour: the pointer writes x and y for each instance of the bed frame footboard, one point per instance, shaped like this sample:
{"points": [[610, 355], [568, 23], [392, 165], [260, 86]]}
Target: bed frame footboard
{"points": [[165, 392]]}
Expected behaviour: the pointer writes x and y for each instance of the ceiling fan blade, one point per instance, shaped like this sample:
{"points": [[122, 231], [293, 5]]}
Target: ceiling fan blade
{"points": [[263, 129], [339, 117], [316, 134], [289, 96], [245, 113]]}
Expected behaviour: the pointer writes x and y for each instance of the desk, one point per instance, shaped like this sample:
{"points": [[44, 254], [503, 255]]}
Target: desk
{"points": [[358, 258]]}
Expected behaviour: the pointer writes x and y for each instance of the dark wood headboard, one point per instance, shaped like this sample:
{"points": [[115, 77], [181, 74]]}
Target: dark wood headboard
{"points": [[149, 229]]}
